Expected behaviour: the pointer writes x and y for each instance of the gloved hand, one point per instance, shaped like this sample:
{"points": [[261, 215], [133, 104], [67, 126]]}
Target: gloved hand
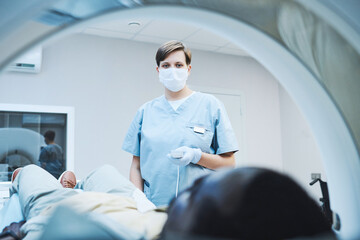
{"points": [[190, 155]]}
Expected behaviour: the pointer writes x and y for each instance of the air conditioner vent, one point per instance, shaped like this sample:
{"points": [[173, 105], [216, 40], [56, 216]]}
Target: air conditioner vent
{"points": [[29, 62]]}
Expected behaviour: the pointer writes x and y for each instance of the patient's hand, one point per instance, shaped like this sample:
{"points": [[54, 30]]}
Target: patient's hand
{"points": [[14, 228]]}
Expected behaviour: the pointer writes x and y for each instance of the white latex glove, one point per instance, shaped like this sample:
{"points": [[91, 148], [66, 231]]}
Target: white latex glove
{"points": [[189, 155]]}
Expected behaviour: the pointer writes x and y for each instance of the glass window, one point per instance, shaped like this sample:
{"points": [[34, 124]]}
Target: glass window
{"points": [[32, 138]]}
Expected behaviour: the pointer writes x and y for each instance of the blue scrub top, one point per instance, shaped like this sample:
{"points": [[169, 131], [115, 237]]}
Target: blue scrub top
{"points": [[52, 156], [157, 129]]}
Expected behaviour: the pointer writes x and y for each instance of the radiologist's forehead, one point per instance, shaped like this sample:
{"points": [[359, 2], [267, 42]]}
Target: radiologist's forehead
{"points": [[178, 209], [182, 200], [176, 56], [186, 196], [209, 186], [218, 186]]}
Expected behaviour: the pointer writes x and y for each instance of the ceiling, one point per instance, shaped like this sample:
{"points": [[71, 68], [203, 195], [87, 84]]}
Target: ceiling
{"points": [[160, 31]]}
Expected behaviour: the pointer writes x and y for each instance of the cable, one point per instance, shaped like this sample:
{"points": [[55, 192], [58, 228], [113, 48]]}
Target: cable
{"points": [[177, 181]]}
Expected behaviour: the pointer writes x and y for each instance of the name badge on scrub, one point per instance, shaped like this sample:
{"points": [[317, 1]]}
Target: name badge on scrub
{"points": [[199, 130]]}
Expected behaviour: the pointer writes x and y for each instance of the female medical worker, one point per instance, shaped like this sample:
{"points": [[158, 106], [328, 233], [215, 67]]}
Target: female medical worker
{"points": [[179, 136]]}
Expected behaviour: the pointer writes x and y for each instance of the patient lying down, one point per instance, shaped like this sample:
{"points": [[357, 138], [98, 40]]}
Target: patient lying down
{"points": [[243, 203]]}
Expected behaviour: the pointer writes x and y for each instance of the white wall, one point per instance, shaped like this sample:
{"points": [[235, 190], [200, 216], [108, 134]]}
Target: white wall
{"points": [[106, 80], [299, 151], [261, 102]]}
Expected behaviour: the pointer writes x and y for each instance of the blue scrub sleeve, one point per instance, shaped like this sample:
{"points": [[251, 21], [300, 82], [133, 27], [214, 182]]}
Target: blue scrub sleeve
{"points": [[133, 137], [224, 136]]}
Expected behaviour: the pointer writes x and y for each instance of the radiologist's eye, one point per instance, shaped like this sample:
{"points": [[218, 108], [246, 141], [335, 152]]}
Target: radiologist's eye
{"points": [[165, 65], [179, 65]]}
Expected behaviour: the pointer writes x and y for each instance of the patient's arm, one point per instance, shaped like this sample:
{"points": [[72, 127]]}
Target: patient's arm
{"points": [[135, 174]]}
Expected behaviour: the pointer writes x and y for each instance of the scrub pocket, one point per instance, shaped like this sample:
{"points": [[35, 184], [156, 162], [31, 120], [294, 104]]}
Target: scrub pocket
{"points": [[199, 136], [147, 189]]}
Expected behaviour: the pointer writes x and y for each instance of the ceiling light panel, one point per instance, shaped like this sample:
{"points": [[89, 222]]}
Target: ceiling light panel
{"points": [[150, 39], [168, 30], [205, 37], [200, 46], [232, 51], [123, 26], [106, 33]]}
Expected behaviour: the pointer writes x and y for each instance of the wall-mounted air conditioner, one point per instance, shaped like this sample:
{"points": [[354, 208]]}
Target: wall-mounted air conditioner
{"points": [[29, 62]]}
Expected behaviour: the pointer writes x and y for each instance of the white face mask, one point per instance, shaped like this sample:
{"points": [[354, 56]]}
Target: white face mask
{"points": [[173, 79]]}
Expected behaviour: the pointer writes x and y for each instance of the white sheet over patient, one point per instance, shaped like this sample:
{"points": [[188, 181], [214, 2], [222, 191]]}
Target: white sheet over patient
{"points": [[142, 203]]}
